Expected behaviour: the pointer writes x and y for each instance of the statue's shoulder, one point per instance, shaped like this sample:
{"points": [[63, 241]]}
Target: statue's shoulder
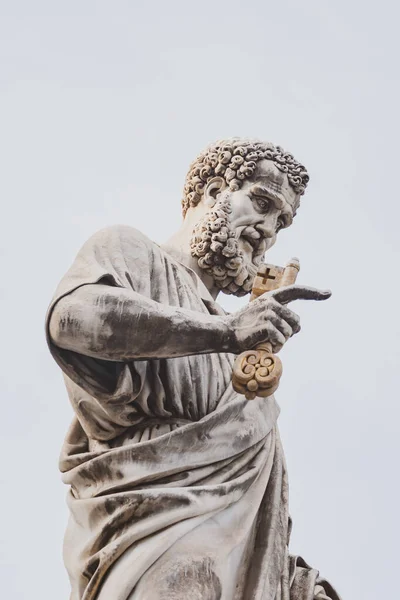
{"points": [[122, 236], [119, 252]]}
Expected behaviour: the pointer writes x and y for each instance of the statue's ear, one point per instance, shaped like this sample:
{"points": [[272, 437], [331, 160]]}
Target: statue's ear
{"points": [[214, 187]]}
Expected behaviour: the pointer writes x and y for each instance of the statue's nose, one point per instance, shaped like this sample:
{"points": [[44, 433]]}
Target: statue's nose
{"points": [[266, 229]]}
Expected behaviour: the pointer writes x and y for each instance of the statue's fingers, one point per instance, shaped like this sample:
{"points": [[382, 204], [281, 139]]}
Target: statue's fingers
{"points": [[283, 326], [289, 316], [299, 292], [274, 336]]}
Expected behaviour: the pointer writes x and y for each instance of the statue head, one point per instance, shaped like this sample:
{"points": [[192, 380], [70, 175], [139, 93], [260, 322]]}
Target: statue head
{"points": [[240, 193]]}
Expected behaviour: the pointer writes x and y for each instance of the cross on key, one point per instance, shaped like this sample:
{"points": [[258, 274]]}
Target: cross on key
{"points": [[266, 275]]}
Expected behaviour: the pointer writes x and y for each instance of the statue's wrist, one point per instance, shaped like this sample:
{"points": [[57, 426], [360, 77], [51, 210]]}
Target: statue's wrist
{"points": [[227, 336]]}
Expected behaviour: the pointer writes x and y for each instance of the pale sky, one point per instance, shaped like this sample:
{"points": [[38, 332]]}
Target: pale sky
{"points": [[103, 107]]}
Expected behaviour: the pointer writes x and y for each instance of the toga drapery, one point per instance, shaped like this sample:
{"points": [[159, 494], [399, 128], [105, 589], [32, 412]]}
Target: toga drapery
{"points": [[178, 486]]}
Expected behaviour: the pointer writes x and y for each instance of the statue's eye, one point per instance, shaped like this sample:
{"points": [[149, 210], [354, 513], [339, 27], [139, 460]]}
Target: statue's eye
{"points": [[262, 204]]}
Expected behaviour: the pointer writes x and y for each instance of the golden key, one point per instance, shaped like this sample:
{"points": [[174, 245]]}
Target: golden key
{"points": [[257, 372]]}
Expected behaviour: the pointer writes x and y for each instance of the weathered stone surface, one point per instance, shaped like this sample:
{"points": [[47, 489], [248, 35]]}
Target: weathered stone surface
{"points": [[178, 485]]}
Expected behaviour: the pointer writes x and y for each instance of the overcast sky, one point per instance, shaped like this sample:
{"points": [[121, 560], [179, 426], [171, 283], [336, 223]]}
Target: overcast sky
{"points": [[103, 107]]}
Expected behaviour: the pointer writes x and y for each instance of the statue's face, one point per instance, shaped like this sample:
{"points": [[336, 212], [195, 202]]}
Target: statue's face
{"points": [[231, 239], [263, 206]]}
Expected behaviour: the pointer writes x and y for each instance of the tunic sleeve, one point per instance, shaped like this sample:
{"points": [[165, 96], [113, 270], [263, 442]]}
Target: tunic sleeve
{"points": [[102, 392]]}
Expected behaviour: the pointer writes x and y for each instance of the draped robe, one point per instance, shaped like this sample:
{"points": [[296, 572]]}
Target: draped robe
{"points": [[177, 485]]}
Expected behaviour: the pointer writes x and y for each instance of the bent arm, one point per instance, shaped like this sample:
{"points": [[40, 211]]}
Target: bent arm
{"points": [[120, 325]]}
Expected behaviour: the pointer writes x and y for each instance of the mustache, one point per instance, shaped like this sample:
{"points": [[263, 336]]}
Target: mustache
{"points": [[249, 232], [254, 238]]}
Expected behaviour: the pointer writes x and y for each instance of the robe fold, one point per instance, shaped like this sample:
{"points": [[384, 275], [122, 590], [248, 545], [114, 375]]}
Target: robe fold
{"points": [[178, 485]]}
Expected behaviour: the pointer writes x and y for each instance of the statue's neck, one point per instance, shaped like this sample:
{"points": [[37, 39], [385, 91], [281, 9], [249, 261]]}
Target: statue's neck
{"points": [[178, 246]]}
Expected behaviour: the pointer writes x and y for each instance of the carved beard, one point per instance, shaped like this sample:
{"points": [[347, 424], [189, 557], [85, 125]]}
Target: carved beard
{"points": [[216, 246]]}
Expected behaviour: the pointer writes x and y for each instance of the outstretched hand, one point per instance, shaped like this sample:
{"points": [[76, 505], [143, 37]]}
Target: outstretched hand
{"points": [[268, 319]]}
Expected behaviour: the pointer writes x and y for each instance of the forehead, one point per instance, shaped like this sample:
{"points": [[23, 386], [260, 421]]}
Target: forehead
{"points": [[270, 176]]}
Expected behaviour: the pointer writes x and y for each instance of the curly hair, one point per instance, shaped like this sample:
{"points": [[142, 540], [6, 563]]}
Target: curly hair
{"points": [[235, 160]]}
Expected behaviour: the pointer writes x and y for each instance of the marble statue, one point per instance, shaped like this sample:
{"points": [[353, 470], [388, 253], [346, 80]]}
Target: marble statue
{"points": [[177, 484]]}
